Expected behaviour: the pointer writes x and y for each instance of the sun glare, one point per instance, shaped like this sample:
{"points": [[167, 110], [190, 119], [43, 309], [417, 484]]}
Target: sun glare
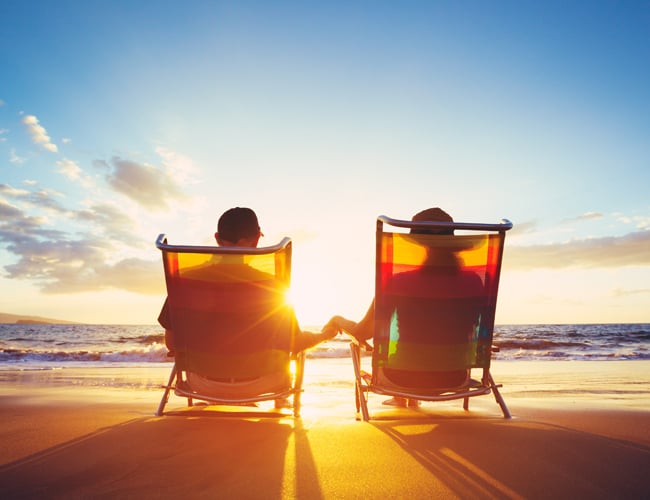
{"points": [[310, 301], [323, 286]]}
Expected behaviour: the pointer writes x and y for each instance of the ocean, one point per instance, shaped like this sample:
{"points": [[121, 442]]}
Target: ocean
{"points": [[39, 347]]}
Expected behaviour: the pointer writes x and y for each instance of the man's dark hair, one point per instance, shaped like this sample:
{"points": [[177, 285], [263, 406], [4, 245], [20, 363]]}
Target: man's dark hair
{"points": [[237, 223]]}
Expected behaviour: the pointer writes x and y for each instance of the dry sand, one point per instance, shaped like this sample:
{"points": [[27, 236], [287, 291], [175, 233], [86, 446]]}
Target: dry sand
{"points": [[580, 430]]}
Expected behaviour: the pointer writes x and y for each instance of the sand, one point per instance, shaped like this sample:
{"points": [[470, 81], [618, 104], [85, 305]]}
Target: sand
{"points": [[580, 429]]}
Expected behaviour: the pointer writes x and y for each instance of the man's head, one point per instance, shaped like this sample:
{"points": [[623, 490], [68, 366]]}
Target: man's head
{"points": [[238, 227], [432, 215]]}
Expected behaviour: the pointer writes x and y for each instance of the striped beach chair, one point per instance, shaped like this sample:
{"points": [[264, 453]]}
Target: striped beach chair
{"points": [[435, 301], [232, 328]]}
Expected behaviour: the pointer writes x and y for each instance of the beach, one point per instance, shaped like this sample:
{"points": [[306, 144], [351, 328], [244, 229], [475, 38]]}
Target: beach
{"points": [[579, 429]]}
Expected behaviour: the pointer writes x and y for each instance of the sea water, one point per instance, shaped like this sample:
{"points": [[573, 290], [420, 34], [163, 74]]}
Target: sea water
{"points": [[39, 346]]}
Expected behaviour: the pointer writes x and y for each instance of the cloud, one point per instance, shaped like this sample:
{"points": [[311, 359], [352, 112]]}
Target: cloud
{"points": [[110, 221], [523, 228], [8, 211], [42, 198], [571, 222], [14, 158], [8, 190], [180, 167], [18, 229], [145, 184], [81, 258], [639, 221], [585, 216], [136, 275], [103, 219], [620, 292], [80, 266], [3, 131], [69, 169], [39, 134], [72, 171], [607, 252]]}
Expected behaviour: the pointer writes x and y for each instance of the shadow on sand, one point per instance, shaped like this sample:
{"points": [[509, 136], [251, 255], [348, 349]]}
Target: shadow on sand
{"points": [[201, 453]]}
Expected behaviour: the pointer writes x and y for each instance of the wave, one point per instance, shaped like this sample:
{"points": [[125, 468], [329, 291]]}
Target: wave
{"points": [[539, 344], [157, 353], [151, 354], [64, 345]]}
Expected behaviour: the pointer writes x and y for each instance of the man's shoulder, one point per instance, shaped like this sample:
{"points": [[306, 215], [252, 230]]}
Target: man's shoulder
{"points": [[228, 272]]}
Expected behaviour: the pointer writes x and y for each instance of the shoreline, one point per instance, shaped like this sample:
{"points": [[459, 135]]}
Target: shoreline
{"points": [[579, 429], [627, 380]]}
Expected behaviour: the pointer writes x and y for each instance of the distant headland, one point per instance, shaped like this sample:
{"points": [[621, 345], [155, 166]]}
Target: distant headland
{"points": [[36, 320]]}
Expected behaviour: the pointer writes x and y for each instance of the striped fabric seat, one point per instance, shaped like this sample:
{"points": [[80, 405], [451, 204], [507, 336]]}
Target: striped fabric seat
{"points": [[435, 301], [232, 327]]}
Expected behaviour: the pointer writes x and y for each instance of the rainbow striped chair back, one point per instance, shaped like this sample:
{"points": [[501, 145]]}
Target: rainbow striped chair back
{"points": [[233, 330], [435, 302]]}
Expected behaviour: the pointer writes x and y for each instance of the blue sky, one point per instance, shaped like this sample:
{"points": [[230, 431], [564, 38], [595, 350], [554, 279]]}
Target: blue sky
{"points": [[121, 120]]}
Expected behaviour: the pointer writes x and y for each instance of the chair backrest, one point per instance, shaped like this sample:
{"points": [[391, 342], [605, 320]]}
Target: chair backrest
{"points": [[435, 301], [228, 313]]}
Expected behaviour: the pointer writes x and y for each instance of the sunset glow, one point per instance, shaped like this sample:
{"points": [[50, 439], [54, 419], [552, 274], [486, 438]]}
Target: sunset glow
{"points": [[320, 118]]}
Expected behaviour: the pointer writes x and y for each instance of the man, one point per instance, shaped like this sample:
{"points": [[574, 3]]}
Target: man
{"points": [[239, 227]]}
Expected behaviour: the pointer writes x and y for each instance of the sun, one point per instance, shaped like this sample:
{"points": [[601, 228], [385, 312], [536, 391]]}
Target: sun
{"points": [[311, 298], [319, 291]]}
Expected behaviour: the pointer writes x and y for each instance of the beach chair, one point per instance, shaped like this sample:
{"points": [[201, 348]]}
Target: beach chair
{"points": [[435, 300], [232, 328]]}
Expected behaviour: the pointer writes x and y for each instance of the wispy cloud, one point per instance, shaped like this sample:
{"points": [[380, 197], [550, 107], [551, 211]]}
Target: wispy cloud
{"points": [[523, 228], [72, 171], [607, 252], [14, 158], [63, 266], [8, 211], [69, 169], [110, 221], [39, 134], [69, 246], [3, 132], [40, 199], [8, 190], [145, 184], [620, 292], [84, 258], [585, 216], [180, 167], [638, 221]]}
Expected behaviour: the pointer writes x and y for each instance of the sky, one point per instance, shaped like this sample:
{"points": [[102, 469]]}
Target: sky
{"points": [[123, 120]]}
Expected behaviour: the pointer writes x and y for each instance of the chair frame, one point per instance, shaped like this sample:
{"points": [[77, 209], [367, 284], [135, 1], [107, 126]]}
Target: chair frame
{"points": [[178, 378], [363, 380]]}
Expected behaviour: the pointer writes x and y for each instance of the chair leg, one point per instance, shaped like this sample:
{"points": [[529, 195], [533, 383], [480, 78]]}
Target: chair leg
{"points": [[357, 396], [359, 392], [466, 404], [296, 404], [364, 404], [497, 395], [297, 384], [165, 397]]}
